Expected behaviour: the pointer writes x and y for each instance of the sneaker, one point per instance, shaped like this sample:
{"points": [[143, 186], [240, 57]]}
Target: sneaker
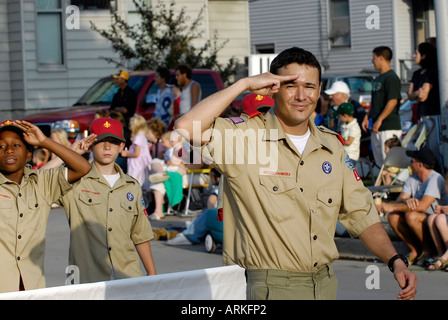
{"points": [[158, 177], [179, 240]]}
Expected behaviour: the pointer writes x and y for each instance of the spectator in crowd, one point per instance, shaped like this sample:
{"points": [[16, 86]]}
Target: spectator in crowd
{"points": [[424, 87], [350, 131], [339, 93], [165, 95], [438, 227], [39, 158], [138, 156], [197, 230], [125, 100], [390, 173], [120, 160], [408, 215], [386, 97], [191, 90]]}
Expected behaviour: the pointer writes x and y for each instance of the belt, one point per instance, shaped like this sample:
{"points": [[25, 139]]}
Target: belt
{"points": [[285, 277]]}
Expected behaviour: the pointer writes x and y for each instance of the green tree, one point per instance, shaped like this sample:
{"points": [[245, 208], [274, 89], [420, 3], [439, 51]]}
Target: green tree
{"points": [[164, 37]]}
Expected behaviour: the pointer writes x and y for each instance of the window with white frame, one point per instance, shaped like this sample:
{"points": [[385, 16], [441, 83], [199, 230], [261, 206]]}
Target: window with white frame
{"points": [[49, 33], [339, 13], [93, 4]]}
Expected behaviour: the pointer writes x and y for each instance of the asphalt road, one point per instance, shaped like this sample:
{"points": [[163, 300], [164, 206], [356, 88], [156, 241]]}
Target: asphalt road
{"points": [[358, 280]]}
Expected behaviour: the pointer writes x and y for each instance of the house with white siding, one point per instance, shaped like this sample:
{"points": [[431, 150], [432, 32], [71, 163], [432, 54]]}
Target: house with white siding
{"points": [[342, 33], [49, 54]]}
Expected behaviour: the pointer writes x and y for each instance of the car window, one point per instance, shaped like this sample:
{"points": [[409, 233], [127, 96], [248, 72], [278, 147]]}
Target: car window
{"points": [[208, 85], [356, 84], [103, 91]]}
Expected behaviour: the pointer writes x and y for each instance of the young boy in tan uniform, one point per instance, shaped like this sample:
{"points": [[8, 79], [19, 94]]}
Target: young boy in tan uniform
{"points": [[107, 215], [26, 197]]}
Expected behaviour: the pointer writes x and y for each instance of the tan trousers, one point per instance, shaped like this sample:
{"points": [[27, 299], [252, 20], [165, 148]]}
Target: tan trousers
{"points": [[288, 285]]}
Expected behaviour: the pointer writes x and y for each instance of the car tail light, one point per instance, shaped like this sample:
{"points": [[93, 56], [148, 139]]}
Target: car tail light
{"points": [[70, 126]]}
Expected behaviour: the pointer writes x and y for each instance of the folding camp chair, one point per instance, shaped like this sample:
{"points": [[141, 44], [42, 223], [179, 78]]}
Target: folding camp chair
{"points": [[396, 157]]}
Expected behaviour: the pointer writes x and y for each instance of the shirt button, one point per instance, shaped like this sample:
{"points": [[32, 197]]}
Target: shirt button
{"points": [[18, 258], [301, 189], [20, 194], [110, 229], [315, 264], [90, 200], [315, 237], [21, 215], [19, 237], [330, 200], [301, 163], [109, 248], [110, 209], [129, 207], [36, 205], [275, 188]]}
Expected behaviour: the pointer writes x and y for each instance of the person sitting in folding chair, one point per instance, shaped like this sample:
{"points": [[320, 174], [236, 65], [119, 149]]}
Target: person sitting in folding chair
{"points": [[422, 192], [392, 173]]}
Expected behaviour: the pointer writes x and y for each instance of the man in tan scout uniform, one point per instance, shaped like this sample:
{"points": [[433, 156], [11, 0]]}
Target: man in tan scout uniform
{"points": [[26, 198], [107, 215], [286, 184]]}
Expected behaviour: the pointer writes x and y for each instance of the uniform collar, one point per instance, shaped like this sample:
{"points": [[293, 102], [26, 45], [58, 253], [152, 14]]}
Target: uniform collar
{"points": [[27, 174], [318, 139], [95, 174]]}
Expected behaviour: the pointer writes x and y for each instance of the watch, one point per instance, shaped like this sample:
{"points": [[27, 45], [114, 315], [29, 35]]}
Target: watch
{"points": [[390, 264]]}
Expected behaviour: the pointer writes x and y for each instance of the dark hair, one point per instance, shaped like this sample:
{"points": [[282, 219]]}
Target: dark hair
{"points": [[430, 53], [384, 52], [164, 73], [185, 68], [295, 55]]}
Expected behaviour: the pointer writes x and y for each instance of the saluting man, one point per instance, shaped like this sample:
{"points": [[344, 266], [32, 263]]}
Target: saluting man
{"points": [[280, 215]]}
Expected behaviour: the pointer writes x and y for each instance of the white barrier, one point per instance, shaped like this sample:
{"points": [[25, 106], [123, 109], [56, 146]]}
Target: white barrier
{"points": [[222, 283]]}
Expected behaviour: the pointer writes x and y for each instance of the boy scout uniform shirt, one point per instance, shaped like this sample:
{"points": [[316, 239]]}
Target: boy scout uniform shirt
{"points": [[24, 211], [105, 223], [281, 214]]}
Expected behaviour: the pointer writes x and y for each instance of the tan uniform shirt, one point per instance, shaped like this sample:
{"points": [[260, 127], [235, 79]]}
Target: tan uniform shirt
{"points": [[24, 211], [105, 224], [280, 208]]}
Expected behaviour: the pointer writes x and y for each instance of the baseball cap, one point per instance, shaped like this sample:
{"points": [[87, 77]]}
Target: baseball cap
{"points": [[256, 102], [121, 74], [8, 125], [107, 127], [424, 155], [338, 86], [346, 108]]}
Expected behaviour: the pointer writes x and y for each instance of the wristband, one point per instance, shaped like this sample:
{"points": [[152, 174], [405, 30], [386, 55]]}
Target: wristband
{"points": [[390, 264]]}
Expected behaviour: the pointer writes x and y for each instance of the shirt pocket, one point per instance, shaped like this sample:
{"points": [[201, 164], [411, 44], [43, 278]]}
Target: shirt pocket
{"points": [[284, 189], [8, 214], [328, 200], [127, 214], [91, 210]]}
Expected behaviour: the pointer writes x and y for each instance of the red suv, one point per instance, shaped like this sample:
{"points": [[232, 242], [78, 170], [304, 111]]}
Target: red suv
{"points": [[77, 118]]}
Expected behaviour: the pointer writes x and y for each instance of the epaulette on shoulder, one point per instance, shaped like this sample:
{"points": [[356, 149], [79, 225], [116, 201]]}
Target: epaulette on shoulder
{"points": [[338, 135]]}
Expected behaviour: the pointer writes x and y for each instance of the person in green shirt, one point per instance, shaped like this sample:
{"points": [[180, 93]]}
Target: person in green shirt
{"points": [[386, 96]]}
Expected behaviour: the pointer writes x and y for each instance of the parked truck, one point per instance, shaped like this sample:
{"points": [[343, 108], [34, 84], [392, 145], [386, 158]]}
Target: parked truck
{"points": [[75, 120]]}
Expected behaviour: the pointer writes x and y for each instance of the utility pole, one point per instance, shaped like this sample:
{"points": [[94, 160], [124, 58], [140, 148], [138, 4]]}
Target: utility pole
{"points": [[441, 14]]}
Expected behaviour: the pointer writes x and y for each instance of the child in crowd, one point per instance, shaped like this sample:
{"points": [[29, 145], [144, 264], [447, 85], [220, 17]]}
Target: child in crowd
{"points": [[389, 173], [27, 196], [156, 128], [350, 131], [138, 156], [110, 232], [39, 158]]}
